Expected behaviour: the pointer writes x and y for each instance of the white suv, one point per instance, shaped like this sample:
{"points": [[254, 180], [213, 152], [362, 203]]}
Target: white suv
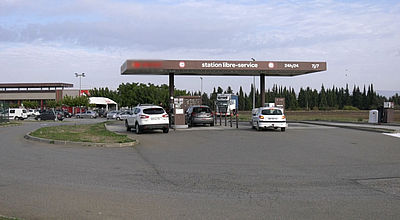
{"points": [[267, 117], [147, 117]]}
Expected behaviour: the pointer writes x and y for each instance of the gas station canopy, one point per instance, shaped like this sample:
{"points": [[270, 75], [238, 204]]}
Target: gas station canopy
{"points": [[220, 68]]}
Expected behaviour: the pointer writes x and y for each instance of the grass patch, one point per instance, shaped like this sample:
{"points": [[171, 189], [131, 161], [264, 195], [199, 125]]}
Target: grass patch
{"points": [[336, 115], [2, 124], [95, 133], [7, 218]]}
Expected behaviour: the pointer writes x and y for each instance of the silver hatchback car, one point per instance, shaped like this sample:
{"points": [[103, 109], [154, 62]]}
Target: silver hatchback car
{"points": [[199, 114], [87, 114]]}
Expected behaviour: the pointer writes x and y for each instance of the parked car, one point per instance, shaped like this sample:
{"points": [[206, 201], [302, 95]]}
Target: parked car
{"points": [[148, 117], [17, 113], [49, 114], [101, 112], [112, 114], [124, 115], [87, 114], [32, 112], [268, 117], [199, 114], [64, 113]]}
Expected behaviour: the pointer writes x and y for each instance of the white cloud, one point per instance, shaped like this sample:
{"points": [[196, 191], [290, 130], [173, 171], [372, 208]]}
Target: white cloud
{"points": [[97, 36]]}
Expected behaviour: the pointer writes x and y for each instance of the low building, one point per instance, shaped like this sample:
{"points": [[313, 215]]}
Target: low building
{"points": [[17, 93]]}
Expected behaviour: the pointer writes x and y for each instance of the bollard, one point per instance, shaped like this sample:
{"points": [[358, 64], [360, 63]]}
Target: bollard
{"points": [[231, 119], [237, 120], [225, 118], [215, 118]]}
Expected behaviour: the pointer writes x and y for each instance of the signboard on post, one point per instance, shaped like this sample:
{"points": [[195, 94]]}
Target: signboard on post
{"points": [[179, 112], [280, 102]]}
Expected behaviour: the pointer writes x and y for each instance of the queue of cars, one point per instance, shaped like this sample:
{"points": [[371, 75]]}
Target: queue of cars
{"points": [[150, 117]]}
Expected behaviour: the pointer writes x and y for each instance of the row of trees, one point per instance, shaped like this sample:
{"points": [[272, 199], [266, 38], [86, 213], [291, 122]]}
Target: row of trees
{"points": [[67, 101], [309, 99], [131, 94]]}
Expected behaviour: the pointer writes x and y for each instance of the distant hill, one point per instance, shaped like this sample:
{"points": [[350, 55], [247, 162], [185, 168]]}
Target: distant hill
{"points": [[387, 93]]}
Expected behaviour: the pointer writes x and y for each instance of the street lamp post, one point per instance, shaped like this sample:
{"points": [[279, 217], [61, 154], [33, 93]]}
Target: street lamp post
{"points": [[201, 86], [80, 81]]}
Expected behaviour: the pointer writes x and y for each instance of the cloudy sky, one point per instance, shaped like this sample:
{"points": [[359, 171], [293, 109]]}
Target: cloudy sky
{"points": [[48, 40]]}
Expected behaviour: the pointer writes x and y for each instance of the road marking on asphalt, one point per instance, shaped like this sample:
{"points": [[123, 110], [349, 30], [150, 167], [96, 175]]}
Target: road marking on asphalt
{"points": [[393, 134]]}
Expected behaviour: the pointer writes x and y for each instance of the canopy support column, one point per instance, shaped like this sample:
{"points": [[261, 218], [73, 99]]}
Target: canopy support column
{"points": [[171, 85], [262, 89]]}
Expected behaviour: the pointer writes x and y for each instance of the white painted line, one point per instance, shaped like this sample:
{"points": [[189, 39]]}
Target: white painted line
{"points": [[393, 134]]}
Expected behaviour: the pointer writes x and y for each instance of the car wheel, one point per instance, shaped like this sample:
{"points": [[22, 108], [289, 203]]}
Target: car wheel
{"points": [[137, 129], [212, 124], [127, 126], [16, 118], [258, 127], [283, 129], [91, 117], [39, 119], [165, 130]]}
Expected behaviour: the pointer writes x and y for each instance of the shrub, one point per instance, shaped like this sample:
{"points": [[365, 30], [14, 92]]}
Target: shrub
{"points": [[350, 108]]}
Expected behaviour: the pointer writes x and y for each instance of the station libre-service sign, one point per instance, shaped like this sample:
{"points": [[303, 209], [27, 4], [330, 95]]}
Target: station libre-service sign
{"points": [[208, 67]]}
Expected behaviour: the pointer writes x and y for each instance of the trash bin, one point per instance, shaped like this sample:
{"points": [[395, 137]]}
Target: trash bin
{"points": [[380, 114], [373, 116], [388, 115]]}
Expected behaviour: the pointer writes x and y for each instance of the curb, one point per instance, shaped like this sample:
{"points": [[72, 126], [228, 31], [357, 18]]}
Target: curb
{"points": [[87, 144], [378, 130]]}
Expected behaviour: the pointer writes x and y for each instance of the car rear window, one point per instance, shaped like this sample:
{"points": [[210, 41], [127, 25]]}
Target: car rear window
{"points": [[271, 112], [201, 110], [153, 111]]}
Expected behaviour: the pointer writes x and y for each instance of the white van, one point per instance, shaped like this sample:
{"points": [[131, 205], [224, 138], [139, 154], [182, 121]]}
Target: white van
{"points": [[17, 113]]}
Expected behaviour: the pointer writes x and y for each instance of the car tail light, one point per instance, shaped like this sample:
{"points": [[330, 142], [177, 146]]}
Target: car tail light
{"points": [[144, 116], [165, 115], [261, 117], [193, 114], [283, 117]]}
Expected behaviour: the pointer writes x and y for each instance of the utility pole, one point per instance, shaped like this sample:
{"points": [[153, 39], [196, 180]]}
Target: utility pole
{"points": [[80, 81], [201, 86]]}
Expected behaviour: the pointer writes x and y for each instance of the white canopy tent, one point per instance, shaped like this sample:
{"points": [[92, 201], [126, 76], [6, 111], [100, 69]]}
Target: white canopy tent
{"points": [[103, 101]]}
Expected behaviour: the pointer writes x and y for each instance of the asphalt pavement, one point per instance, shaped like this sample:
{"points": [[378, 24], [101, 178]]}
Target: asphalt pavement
{"points": [[307, 172]]}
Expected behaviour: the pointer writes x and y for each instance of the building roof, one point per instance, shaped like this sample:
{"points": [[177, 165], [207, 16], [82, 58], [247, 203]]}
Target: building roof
{"points": [[34, 85], [101, 101], [217, 67]]}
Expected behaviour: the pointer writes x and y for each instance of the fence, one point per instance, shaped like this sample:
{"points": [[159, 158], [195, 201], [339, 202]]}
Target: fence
{"points": [[3, 112]]}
